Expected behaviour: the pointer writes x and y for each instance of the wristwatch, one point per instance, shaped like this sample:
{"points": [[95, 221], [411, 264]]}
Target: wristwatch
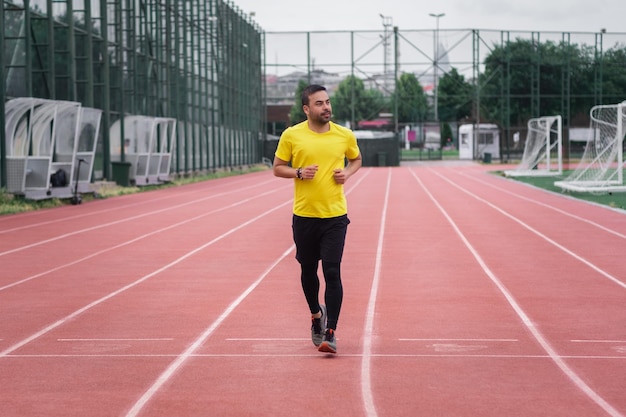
{"points": [[299, 173]]}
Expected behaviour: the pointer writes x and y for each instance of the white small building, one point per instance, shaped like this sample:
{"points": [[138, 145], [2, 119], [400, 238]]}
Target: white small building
{"points": [[474, 145]]}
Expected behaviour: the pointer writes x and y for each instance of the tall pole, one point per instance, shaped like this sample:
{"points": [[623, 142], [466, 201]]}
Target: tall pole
{"points": [[436, 62], [387, 24]]}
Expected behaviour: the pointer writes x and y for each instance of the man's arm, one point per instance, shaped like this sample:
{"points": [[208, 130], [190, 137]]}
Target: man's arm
{"points": [[283, 170]]}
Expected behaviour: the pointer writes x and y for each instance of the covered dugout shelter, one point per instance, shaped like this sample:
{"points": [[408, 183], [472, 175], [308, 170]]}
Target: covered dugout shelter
{"points": [[198, 62], [50, 147], [146, 157]]}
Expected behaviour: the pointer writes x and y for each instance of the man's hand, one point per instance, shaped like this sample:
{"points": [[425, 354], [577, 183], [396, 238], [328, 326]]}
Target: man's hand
{"points": [[340, 176], [308, 173]]}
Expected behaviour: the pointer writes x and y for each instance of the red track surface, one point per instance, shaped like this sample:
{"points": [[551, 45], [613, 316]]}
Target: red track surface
{"points": [[466, 294]]}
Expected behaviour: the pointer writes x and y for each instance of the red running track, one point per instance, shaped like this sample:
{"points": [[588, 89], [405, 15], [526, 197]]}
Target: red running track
{"points": [[466, 294]]}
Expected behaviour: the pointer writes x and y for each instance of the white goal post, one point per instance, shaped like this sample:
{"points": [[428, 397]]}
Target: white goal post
{"points": [[543, 149], [601, 168]]}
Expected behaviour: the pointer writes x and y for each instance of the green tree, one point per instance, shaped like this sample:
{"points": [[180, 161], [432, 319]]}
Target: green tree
{"points": [[455, 97], [412, 102], [613, 75], [352, 102], [528, 77], [296, 114], [446, 133]]}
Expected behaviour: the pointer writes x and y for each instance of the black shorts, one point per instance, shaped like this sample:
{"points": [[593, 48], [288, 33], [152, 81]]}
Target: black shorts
{"points": [[317, 239]]}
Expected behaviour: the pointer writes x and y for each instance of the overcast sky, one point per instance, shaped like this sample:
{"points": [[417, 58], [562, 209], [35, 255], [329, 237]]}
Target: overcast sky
{"points": [[514, 15]]}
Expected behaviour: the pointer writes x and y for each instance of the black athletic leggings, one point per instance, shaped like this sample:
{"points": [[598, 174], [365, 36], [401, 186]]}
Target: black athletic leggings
{"points": [[333, 296], [321, 239]]}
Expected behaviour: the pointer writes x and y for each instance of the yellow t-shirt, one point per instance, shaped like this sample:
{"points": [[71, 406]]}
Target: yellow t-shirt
{"points": [[320, 197]]}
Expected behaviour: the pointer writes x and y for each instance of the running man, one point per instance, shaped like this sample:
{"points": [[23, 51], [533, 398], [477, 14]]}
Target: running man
{"points": [[314, 154]]}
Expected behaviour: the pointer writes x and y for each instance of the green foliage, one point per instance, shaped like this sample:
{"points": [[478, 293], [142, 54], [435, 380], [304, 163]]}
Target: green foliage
{"points": [[446, 133], [412, 102], [534, 73], [9, 204], [455, 97], [615, 200], [613, 75], [296, 114], [352, 102]]}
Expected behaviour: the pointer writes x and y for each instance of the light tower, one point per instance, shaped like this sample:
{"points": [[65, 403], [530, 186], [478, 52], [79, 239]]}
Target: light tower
{"points": [[436, 62]]}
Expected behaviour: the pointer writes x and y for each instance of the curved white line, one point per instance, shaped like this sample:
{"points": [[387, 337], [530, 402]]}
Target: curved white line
{"points": [[538, 233], [368, 332], [548, 206], [558, 360]]}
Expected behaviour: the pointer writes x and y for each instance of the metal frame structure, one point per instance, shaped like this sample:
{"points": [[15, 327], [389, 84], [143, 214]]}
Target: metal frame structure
{"points": [[308, 55], [543, 150]]}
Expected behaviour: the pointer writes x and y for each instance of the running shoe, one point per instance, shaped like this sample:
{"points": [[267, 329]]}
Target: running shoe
{"points": [[318, 327], [329, 344]]}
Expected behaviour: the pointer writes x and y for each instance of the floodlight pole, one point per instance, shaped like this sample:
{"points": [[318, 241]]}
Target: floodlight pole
{"points": [[387, 24], [436, 62]]}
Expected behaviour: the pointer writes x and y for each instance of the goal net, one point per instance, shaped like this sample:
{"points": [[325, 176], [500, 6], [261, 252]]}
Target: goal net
{"points": [[601, 168], [543, 154]]}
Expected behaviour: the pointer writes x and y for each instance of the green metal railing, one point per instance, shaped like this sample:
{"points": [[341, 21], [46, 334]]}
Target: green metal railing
{"points": [[198, 61]]}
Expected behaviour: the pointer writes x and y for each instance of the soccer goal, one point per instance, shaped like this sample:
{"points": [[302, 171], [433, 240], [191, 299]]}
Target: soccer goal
{"points": [[601, 168], [543, 150]]}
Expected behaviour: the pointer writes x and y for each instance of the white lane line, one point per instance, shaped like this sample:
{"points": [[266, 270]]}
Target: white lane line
{"points": [[458, 340], [113, 294], [597, 341], [161, 339], [167, 374], [539, 203], [136, 239], [535, 231], [127, 206], [124, 220], [265, 339], [558, 360], [315, 355], [368, 332]]}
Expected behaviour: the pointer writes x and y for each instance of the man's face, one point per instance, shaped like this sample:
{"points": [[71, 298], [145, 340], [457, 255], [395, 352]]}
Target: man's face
{"points": [[319, 109]]}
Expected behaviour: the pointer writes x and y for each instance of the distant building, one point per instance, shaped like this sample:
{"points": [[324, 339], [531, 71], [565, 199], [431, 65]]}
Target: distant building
{"points": [[282, 89]]}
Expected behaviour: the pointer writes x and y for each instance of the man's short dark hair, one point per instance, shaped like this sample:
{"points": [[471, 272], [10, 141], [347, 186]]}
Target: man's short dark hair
{"points": [[309, 90]]}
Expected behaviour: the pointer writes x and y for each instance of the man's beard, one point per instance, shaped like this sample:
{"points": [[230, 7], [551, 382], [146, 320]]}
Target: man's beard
{"points": [[324, 118]]}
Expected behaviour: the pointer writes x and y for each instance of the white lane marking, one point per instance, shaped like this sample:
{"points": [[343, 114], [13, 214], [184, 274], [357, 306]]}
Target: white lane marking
{"points": [[137, 282], [535, 231], [113, 223], [597, 341], [368, 332], [558, 360], [311, 355], [264, 339], [160, 339], [136, 239], [539, 203], [458, 340], [167, 374], [190, 190]]}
